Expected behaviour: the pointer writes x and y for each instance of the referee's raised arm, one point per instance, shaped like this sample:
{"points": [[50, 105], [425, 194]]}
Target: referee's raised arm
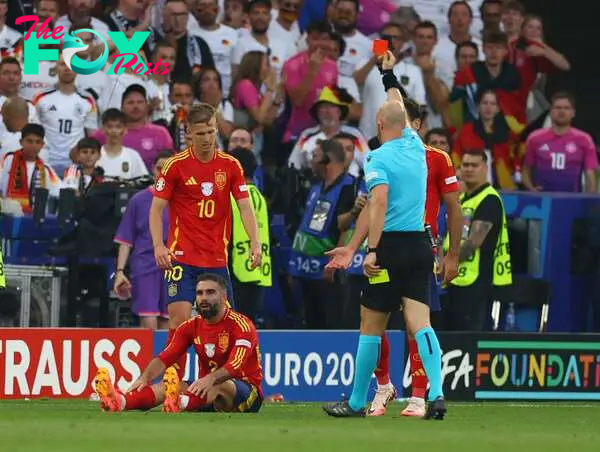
{"points": [[394, 90]]}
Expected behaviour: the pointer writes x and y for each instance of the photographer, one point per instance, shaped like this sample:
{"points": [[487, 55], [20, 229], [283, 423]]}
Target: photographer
{"points": [[328, 213]]}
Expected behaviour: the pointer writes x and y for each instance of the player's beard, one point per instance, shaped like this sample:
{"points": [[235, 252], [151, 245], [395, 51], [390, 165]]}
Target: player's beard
{"points": [[209, 313]]}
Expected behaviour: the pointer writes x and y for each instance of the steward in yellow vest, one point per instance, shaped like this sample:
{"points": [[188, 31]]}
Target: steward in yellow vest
{"points": [[247, 282], [484, 261]]}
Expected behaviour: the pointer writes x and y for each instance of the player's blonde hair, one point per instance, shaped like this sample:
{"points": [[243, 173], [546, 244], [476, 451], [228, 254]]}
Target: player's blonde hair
{"points": [[201, 113]]}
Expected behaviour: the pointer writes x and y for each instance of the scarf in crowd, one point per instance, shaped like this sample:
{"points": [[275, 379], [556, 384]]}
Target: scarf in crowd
{"points": [[19, 188], [125, 24]]}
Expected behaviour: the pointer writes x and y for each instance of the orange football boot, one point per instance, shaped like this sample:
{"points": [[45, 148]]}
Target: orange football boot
{"points": [[172, 388]]}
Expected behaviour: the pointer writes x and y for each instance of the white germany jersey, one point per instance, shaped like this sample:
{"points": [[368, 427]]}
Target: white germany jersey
{"points": [[65, 118]]}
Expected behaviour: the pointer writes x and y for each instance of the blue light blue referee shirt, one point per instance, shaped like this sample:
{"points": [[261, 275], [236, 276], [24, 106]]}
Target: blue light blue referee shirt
{"points": [[400, 164]]}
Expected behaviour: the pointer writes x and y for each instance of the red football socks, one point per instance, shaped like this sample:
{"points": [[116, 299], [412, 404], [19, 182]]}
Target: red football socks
{"points": [[382, 372], [180, 364], [419, 377], [195, 402], [140, 400]]}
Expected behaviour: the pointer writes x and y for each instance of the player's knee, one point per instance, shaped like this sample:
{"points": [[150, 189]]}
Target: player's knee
{"points": [[416, 315], [223, 396]]}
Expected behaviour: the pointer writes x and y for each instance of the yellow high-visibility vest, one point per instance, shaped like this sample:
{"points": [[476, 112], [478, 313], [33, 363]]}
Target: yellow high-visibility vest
{"points": [[468, 271], [240, 259]]}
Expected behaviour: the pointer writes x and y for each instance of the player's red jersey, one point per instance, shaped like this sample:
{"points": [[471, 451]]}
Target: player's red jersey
{"points": [[232, 343], [441, 178], [200, 205]]}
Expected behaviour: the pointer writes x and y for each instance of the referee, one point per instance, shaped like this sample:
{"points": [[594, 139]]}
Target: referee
{"points": [[398, 260]]}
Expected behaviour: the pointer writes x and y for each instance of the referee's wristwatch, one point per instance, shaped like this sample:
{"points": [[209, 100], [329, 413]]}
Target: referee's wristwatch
{"points": [[371, 250]]}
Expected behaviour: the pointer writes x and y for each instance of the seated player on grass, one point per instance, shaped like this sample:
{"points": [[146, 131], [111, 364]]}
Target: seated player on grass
{"points": [[226, 344]]}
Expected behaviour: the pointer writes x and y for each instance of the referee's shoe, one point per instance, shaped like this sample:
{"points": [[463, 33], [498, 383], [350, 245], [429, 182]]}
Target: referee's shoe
{"points": [[342, 409], [436, 409]]}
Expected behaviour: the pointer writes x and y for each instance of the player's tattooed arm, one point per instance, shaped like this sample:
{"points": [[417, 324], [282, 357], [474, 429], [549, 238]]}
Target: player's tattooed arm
{"points": [[477, 234]]}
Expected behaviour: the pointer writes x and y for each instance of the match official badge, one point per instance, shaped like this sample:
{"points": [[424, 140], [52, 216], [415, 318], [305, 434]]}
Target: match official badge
{"points": [[207, 188], [223, 341], [220, 179], [404, 79], [209, 349], [172, 289], [125, 167]]}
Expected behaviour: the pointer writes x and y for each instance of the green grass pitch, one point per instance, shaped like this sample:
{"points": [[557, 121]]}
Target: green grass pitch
{"points": [[53, 425]]}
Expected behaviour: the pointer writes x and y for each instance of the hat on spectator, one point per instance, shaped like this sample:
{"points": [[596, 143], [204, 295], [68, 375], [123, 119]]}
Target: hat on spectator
{"points": [[330, 95], [251, 3], [135, 88]]}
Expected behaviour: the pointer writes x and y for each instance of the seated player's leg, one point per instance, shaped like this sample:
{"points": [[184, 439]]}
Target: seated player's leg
{"points": [[416, 403], [181, 289], [235, 396], [386, 392], [111, 399], [145, 295], [224, 272], [417, 317]]}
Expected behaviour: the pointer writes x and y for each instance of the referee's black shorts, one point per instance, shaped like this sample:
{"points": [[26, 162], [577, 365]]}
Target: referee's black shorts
{"points": [[408, 259]]}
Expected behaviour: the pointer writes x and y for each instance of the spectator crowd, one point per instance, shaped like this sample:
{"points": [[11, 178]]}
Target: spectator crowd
{"points": [[295, 84]]}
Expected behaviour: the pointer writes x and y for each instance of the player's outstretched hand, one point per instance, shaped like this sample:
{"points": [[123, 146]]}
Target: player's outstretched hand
{"points": [[138, 384], [255, 254], [370, 268], [163, 257], [201, 386], [341, 257]]}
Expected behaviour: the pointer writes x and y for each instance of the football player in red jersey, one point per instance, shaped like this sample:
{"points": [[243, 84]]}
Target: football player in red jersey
{"points": [[197, 184], [230, 373], [442, 184]]}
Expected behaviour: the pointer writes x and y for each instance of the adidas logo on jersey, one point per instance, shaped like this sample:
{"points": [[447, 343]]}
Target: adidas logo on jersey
{"points": [[52, 108], [191, 181]]}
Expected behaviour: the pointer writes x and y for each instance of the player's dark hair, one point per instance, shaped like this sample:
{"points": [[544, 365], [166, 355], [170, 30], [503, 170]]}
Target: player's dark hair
{"points": [[561, 95], [438, 131], [470, 44], [458, 3], [413, 110], [333, 151], [247, 161], [33, 129], [201, 113], [164, 154], [88, 143], [9, 60], [214, 278], [113, 114], [374, 143], [476, 153], [427, 25], [495, 37]]}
